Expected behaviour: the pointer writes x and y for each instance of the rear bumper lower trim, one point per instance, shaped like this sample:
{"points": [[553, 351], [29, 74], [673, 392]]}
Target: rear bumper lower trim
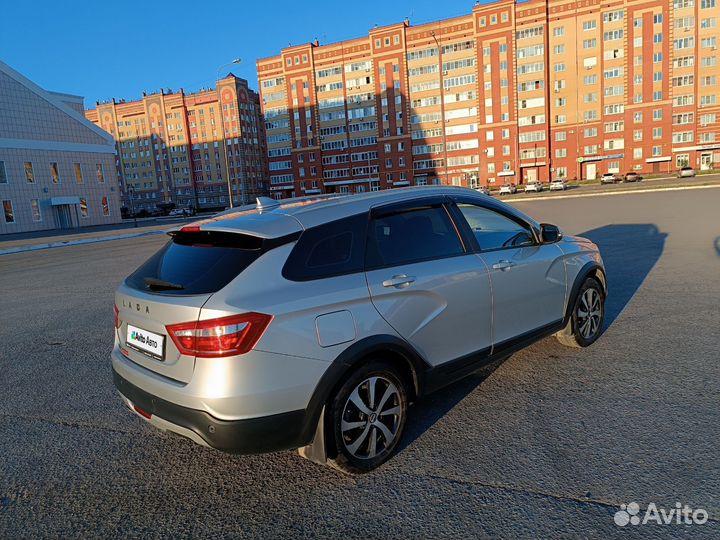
{"points": [[250, 436]]}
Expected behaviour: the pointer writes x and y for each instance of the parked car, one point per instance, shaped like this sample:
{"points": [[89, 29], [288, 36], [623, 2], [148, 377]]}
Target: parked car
{"points": [[185, 212], [315, 325], [609, 178], [507, 189], [558, 185], [686, 172], [533, 186], [632, 177], [483, 189]]}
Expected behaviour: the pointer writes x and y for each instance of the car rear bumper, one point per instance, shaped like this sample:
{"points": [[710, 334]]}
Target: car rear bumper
{"points": [[247, 436]]}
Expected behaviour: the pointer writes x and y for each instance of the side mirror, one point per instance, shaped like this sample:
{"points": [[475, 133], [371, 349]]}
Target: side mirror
{"points": [[550, 233]]}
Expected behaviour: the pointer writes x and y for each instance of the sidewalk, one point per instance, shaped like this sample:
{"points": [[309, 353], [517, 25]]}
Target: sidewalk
{"points": [[30, 241], [20, 246]]}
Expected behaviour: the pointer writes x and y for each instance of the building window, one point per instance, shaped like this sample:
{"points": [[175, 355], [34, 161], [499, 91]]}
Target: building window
{"points": [[54, 173], [78, 173], [36, 214], [100, 174], [83, 208], [29, 174], [9, 214], [3, 174], [656, 151], [105, 206]]}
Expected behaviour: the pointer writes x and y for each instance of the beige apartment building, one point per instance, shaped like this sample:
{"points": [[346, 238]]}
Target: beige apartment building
{"points": [[178, 148], [57, 170], [513, 92]]}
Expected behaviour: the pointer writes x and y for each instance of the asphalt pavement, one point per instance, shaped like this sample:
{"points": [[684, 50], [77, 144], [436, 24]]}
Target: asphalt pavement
{"points": [[547, 444]]}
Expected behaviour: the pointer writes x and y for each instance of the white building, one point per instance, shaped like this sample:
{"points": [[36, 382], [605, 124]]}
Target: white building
{"points": [[57, 169]]}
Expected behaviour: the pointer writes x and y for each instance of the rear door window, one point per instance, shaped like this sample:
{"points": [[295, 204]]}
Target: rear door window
{"points": [[411, 235], [196, 263]]}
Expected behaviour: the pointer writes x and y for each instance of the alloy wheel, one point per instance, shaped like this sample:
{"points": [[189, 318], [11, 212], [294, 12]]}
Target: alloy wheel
{"points": [[589, 313], [371, 417]]}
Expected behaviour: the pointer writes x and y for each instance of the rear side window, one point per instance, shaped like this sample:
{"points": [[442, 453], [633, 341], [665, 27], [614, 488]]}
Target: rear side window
{"points": [[196, 263], [412, 235], [331, 249]]}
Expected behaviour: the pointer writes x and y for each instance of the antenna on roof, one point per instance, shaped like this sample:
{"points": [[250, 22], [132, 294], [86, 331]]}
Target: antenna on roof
{"points": [[265, 203]]}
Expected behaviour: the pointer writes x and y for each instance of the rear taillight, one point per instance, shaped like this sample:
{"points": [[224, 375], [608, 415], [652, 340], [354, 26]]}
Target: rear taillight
{"points": [[227, 336], [116, 311]]}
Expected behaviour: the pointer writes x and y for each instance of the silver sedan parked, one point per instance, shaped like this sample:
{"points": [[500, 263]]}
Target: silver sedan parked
{"points": [[686, 172], [315, 323]]}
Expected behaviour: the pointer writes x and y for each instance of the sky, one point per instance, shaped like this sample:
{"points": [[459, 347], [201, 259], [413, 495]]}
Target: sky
{"points": [[103, 50]]}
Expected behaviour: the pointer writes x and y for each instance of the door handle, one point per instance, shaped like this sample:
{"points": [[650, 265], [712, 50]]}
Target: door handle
{"points": [[503, 265], [400, 281]]}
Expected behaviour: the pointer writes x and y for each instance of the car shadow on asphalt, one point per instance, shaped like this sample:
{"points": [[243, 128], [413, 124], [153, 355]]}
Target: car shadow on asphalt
{"points": [[629, 251], [427, 411]]}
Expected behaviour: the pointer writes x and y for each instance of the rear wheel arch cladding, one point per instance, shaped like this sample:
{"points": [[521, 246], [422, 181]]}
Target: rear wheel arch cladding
{"points": [[383, 348]]}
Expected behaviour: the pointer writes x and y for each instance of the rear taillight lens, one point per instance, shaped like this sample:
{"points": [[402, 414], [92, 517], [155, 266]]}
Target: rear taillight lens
{"points": [[116, 311], [227, 336]]}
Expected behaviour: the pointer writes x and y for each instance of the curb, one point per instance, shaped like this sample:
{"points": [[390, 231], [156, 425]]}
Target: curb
{"points": [[51, 245], [610, 193]]}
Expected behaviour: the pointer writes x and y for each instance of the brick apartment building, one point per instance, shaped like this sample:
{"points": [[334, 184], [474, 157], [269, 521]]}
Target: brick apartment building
{"points": [[174, 147], [512, 92]]}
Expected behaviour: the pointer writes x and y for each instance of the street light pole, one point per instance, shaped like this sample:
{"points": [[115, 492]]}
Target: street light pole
{"points": [[442, 104], [131, 192], [222, 125]]}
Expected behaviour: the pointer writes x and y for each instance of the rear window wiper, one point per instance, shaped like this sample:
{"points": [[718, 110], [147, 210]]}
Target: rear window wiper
{"points": [[161, 285]]}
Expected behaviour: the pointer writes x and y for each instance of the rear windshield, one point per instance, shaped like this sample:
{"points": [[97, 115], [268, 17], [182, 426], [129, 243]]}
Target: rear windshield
{"points": [[196, 263]]}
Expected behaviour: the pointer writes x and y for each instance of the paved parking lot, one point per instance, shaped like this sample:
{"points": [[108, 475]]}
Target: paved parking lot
{"points": [[547, 444]]}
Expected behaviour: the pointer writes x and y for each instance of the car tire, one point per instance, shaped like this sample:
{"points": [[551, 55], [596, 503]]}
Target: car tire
{"points": [[367, 418], [588, 314]]}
